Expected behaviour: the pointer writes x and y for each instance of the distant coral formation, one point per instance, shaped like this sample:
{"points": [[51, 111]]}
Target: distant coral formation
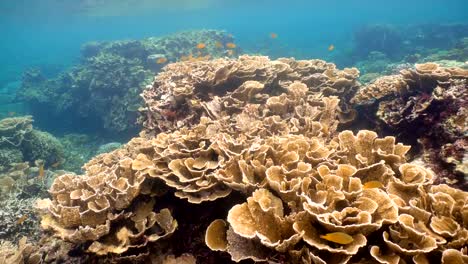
{"points": [[435, 41], [20, 142], [102, 93], [23, 151], [253, 148]]}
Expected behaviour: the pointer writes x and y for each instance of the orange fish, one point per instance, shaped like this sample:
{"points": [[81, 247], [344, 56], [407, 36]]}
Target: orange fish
{"points": [[372, 184], [41, 172], [331, 47], [21, 220], [338, 237], [11, 113], [201, 45], [230, 45], [218, 44], [273, 35], [161, 60]]}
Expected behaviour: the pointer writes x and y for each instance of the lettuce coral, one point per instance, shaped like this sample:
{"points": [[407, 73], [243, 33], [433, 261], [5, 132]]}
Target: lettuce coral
{"points": [[260, 137], [426, 105], [184, 92]]}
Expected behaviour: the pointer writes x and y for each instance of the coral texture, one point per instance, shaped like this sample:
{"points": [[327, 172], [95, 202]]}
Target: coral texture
{"points": [[20, 142], [20, 186], [263, 143], [428, 105], [184, 92], [102, 92]]}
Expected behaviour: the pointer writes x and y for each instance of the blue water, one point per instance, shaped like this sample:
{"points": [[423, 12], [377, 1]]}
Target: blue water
{"points": [[48, 33], [51, 31]]}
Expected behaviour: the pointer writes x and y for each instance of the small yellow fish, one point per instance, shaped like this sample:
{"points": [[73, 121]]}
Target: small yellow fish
{"points": [[201, 45], [56, 164], [21, 220], [161, 60], [230, 45], [273, 35], [331, 47], [373, 184], [338, 237], [41, 172]]}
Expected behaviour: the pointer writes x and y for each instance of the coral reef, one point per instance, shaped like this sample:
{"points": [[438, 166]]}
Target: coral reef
{"points": [[20, 142], [425, 104], [413, 43], [102, 93], [24, 253], [108, 147], [46, 250], [186, 91], [42, 145], [458, 52], [9, 155], [253, 147], [385, 39], [79, 149], [20, 186]]}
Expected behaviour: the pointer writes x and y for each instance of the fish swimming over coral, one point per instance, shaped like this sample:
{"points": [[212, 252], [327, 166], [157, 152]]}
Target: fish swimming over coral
{"points": [[161, 60], [303, 132], [338, 237], [373, 184]]}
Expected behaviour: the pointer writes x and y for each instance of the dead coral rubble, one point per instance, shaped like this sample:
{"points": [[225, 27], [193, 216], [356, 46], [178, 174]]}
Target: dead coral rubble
{"points": [[428, 105], [262, 140]]}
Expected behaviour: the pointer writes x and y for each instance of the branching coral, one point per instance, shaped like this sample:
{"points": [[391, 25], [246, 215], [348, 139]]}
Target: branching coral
{"points": [[20, 186], [13, 130]]}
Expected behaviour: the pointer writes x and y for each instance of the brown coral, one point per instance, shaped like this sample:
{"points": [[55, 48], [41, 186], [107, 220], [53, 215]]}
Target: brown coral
{"points": [[265, 142], [333, 198], [426, 105], [180, 94]]}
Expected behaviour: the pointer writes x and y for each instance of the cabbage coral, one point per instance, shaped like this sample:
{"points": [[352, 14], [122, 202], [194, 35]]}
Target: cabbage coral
{"points": [[251, 145]]}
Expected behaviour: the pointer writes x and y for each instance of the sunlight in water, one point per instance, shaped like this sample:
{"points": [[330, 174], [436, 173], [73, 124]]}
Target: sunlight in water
{"points": [[117, 8]]}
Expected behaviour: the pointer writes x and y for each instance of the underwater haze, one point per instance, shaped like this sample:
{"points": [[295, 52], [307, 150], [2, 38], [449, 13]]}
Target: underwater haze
{"points": [[51, 31], [242, 131]]}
